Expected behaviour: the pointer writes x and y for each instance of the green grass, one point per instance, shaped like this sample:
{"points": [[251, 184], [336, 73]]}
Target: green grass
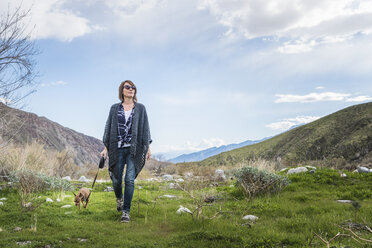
{"points": [[286, 219]]}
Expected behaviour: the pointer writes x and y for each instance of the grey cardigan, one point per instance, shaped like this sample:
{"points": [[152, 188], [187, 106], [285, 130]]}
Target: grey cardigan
{"points": [[140, 136]]}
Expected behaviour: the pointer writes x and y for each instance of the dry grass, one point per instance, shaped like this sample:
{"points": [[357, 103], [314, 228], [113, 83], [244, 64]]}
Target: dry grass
{"points": [[34, 157]]}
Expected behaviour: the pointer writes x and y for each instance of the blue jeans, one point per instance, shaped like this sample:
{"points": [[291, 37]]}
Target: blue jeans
{"points": [[117, 177]]}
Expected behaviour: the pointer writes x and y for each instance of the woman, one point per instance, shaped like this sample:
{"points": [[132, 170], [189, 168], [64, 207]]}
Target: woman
{"points": [[127, 141]]}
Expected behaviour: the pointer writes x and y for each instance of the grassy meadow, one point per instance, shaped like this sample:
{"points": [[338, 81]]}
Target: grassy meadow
{"points": [[286, 219]]}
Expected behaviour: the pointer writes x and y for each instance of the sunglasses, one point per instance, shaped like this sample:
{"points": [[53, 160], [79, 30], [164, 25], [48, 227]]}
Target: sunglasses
{"points": [[127, 87]]}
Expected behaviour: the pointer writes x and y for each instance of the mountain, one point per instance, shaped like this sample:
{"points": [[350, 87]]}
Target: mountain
{"points": [[344, 136], [21, 127], [198, 156]]}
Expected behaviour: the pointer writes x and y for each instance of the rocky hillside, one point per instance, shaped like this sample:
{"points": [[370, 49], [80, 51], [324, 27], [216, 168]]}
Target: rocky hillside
{"points": [[20, 127], [345, 136]]}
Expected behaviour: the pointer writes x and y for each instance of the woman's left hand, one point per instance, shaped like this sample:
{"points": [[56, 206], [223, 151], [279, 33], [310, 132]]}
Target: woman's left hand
{"points": [[148, 155]]}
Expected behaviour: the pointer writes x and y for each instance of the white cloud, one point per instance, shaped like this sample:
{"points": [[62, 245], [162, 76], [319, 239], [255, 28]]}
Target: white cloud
{"points": [[312, 97], [304, 24], [359, 99], [53, 84], [189, 146], [290, 122], [49, 19], [319, 87]]}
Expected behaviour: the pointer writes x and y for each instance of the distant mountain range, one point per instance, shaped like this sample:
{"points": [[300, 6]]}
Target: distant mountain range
{"points": [[201, 155], [21, 127], [342, 137]]}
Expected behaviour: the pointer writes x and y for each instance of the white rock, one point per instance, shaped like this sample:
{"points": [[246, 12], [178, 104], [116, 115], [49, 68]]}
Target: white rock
{"points": [[180, 180], [66, 206], [219, 172], [3, 199], [58, 200], [363, 169], [1, 229], [82, 240], [68, 178], [283, 169], [250, 217], [188, 175], [344, 201], [172, 185], [1, 203], [297, 170], [169, 196], [343, 175], [167, 177], [17, 229], [48, 200], [24, 243], [310, 167], [183, 210], [28, 204], [83, 179]]}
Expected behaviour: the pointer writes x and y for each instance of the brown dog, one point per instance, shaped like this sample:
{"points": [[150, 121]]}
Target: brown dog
{"points": [[82, 196]]}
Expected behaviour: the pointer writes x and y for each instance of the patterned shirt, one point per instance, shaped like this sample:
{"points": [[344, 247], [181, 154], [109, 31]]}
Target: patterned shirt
{"points": [[124, 127]]}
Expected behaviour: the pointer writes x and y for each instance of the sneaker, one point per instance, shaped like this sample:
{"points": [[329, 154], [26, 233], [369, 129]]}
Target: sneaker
{"points": [[125, 217], [119, 204]]}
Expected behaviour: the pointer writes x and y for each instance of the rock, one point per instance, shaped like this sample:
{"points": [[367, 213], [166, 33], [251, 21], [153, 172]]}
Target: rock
{"points": [[355, 171], [297, 170], [188, 175], [180, 180], [58, 200], [28, 204], [167, 177], [210, 199], [172, 185], [48, 200], [344, 201], [24, 243], [362, 169], [1, 203], [68, 178], [83, 179], [108, 189], [183, 210], [82, 240], [3, 199], [17, 229], [250, 217], [343, 175], [66, 206], [169, 196], [1, 229], [219, 172]]}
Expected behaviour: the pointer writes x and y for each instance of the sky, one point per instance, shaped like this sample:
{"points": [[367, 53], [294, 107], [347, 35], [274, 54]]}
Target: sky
{"points": [[210, 72]]}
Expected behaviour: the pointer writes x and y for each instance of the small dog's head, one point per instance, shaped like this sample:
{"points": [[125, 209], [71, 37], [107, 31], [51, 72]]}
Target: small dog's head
{"points": [[77, 198]]}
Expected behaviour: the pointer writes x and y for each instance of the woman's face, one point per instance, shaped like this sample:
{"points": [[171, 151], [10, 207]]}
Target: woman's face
{"points": [[128, 90]]}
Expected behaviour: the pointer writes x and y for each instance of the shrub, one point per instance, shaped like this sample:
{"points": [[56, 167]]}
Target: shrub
{"points": [[256, 182], [33, 182]]}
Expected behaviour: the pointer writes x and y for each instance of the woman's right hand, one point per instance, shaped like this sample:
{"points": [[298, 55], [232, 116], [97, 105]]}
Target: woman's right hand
{"points": [[104, 153]]}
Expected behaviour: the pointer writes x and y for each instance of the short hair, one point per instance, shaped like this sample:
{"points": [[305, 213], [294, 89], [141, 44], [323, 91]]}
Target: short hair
{"points": [[121, 96]]}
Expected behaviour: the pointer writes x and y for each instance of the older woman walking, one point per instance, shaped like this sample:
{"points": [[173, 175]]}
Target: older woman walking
{"points": [[127, 141]]}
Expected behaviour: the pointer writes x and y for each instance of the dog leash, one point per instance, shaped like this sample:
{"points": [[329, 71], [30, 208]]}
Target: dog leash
{"points": [[100, 165]]}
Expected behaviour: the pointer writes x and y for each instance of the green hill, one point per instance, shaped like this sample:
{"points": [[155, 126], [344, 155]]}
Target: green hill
{"points": [[344, 136]]}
